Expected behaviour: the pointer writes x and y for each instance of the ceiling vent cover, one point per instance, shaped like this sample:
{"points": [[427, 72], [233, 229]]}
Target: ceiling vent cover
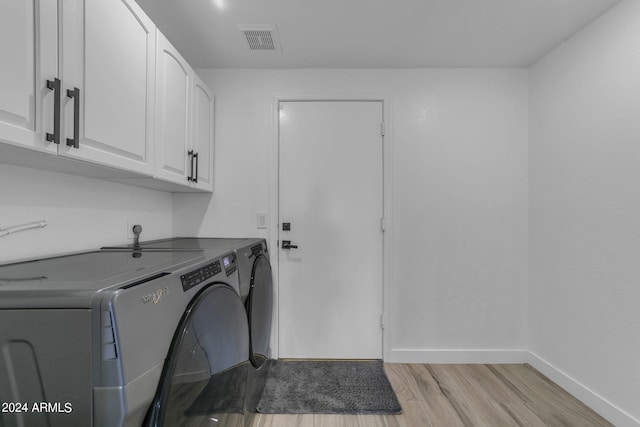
{"points": [[261, 37]]}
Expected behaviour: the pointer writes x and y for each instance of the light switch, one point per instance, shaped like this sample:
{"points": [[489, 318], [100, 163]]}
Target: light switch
{"points": [[261, 220]]}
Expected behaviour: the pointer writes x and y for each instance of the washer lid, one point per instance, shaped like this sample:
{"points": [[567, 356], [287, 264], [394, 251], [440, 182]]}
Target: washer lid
{"points": [[81, 276]]}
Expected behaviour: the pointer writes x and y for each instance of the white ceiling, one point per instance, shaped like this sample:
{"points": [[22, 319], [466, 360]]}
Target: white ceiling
{"points": [[373, 33]]}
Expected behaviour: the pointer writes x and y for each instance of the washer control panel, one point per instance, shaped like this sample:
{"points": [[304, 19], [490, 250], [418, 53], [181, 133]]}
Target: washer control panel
{"points": [[195, 277], [229, 263]]}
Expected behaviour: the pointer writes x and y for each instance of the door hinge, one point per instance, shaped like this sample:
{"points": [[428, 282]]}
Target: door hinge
{"points": [[382, 128], [383, 224], [382, 320]]}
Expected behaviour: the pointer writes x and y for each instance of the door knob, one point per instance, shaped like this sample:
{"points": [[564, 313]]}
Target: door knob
{"points": [[286, 244]]}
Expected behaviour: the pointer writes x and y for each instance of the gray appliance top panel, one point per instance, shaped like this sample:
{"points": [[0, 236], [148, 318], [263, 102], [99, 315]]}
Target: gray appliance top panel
{"points": [[77, 278], [190, 243], [197, 243]]}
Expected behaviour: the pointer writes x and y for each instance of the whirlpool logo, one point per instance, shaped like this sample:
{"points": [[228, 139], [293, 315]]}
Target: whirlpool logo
{"points": [[155, 296]]}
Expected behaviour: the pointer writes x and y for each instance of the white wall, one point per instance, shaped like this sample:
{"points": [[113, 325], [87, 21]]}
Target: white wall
{"points": [[477, 221], [584, 213], [459, 196], [81, 213]]}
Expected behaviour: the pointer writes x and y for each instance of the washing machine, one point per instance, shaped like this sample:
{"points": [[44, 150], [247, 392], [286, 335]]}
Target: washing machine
{"points": [[116, 338], [255, 288], [254, 284], [211, 246]]}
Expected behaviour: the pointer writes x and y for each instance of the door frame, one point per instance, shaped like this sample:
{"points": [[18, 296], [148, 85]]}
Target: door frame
{"points": [[274, 202]]}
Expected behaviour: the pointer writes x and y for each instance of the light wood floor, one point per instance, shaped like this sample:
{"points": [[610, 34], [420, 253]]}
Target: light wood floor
{"points": [[461, 395]]}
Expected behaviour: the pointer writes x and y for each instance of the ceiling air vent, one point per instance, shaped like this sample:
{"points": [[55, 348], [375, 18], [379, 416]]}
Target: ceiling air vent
{"points": [[261, 37]]}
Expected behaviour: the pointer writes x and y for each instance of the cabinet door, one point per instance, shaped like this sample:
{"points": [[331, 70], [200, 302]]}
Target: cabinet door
{"points": [[173, 108], [29, 56], [108, 53], [202, 136]]}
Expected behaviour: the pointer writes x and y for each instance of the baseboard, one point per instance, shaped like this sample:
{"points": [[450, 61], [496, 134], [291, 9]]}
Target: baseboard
{"points": [[606, 409], [456, 356]]}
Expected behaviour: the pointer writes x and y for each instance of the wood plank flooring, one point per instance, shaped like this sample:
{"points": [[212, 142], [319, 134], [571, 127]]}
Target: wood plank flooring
{"points": [[462, 395]]}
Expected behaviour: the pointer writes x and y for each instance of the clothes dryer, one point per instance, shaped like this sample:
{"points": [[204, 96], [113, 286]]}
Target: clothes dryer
{"points": [[84, 337], [212, 246], [255, 281], [255, 288]]}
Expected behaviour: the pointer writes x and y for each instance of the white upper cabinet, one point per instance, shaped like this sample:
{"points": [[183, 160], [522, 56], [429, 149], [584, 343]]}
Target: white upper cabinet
{"points": [[184, 122], [173, 112], [108, 56], [202, 134], [29, 57], [79, 80]]}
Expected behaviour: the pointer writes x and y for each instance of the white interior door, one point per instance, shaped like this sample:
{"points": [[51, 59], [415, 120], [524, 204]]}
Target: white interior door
{"points": [[330, 192]]}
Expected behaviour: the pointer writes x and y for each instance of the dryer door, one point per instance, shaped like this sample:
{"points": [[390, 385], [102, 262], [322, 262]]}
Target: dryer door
{"points": [[204, 376], [259, 308]]}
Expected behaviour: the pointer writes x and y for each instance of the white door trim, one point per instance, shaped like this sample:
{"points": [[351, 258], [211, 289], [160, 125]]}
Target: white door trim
{"points": [[274, 196]]}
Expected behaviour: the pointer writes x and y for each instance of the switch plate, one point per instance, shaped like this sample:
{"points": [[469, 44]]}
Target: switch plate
{"points": [[261, 220]]}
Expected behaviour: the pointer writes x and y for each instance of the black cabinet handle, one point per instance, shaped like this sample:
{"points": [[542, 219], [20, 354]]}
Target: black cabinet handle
{"points": [[190, 154], [54, 85], [195, 175], [75, 95]]}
